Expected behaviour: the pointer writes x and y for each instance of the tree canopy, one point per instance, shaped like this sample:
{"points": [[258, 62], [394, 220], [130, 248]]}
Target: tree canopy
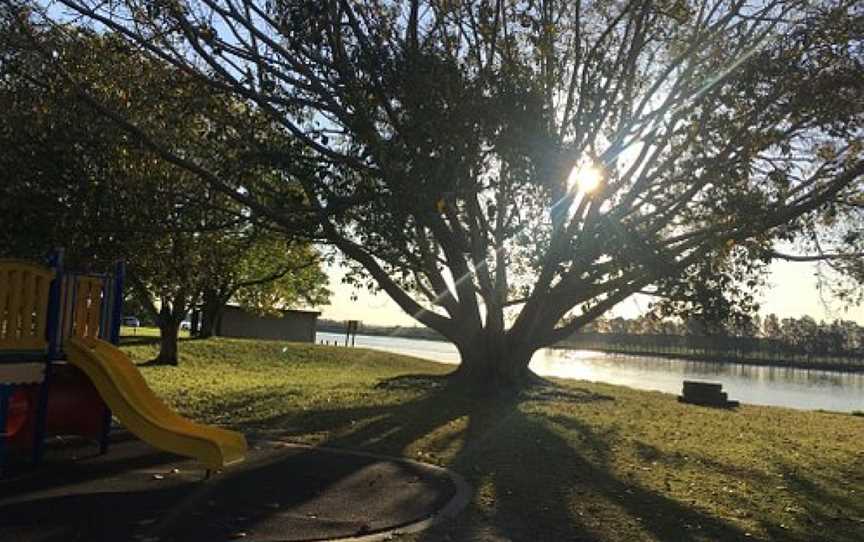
{"points": [[262, 273], [77, 179], [508, 171]]}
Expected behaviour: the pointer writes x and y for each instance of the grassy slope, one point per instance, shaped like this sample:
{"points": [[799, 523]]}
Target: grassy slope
{"points": [[595, 461]]}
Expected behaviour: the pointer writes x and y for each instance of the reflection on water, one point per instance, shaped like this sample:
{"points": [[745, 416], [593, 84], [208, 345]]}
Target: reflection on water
{"points": [[778, 386]]}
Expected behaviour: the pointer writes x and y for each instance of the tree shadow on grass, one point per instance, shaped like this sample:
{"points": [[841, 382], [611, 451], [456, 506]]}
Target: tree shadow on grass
{"points": [[821, 502], [536, 474], [798, 501], [676, 460], [147, 340], [533, 478], [545, 487]]}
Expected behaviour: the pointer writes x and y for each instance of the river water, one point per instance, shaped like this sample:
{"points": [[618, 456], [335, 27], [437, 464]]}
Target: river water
{"points": [[776, 386]]}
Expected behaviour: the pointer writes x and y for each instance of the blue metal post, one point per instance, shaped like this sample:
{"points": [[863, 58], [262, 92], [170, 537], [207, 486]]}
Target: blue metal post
{"points": [[55, 305], [53, 323], [113, 335], [117, 309], [105, 308], [5, 392], [104, 437]]}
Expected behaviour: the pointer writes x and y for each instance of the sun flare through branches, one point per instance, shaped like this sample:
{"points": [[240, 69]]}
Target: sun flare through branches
{"points": [[586, 178]]}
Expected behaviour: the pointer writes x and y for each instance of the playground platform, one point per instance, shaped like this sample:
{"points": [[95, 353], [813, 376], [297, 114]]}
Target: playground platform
{"points": [[283, 492]]}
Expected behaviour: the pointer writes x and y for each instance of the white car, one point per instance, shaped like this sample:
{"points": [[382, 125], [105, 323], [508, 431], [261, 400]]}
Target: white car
{"points": [[130, 321]]}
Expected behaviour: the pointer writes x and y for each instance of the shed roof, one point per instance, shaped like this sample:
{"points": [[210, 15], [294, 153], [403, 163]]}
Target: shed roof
{"points": [[235, 306]]}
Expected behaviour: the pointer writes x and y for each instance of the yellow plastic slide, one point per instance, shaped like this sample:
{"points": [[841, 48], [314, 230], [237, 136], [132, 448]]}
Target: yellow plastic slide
{"points": [[139, 409]]}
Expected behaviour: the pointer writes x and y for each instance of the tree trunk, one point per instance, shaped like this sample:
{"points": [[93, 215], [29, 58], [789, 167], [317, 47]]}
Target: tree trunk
{"points": [[492, 364], [169, 333], [212, 307]]}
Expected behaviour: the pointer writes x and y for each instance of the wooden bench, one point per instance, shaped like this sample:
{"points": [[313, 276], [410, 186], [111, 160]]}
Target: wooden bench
{"points": [[706, 394]]}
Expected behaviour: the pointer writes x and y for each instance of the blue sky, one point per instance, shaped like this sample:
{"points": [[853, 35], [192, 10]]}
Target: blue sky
{"points": [[792, 292]]}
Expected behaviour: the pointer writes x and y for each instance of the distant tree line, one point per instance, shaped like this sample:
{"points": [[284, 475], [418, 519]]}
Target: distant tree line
{"points": [[792, 340]]}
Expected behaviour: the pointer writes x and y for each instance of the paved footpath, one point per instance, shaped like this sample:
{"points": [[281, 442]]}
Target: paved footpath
{"points": [[281, 493]]}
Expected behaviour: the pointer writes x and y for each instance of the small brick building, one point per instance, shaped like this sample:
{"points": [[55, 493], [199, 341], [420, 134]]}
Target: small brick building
{"points": [[293, 325]]}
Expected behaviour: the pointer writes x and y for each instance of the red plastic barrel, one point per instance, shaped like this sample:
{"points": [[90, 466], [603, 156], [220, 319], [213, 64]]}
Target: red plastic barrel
{"points": [[74, 408], [74, 405], [19, 408]]}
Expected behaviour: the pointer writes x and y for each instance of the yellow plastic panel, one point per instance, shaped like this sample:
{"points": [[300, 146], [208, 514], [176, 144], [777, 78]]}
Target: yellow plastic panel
{"points": [[23, 305]]}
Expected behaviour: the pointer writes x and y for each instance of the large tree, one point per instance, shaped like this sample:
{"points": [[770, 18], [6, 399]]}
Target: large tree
{"points": [[508, 171]]}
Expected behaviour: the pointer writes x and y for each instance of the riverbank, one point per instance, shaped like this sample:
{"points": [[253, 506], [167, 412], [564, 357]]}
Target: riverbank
{"points": [[587, 461], [751, 384], [842, 365]]}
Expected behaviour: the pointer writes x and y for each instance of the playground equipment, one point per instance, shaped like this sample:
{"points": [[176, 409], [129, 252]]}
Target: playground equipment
{"points": [[138, 408], [61, 373]]}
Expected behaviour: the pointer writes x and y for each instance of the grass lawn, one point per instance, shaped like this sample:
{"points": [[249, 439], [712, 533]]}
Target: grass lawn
{"points": [[586, 462]]}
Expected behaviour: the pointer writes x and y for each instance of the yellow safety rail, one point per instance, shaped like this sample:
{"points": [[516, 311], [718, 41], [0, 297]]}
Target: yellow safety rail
{"points": [[24, 290], [88, 306]]}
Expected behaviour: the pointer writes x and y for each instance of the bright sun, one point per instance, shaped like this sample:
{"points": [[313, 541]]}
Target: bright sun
{"points": [[586, 177]]}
